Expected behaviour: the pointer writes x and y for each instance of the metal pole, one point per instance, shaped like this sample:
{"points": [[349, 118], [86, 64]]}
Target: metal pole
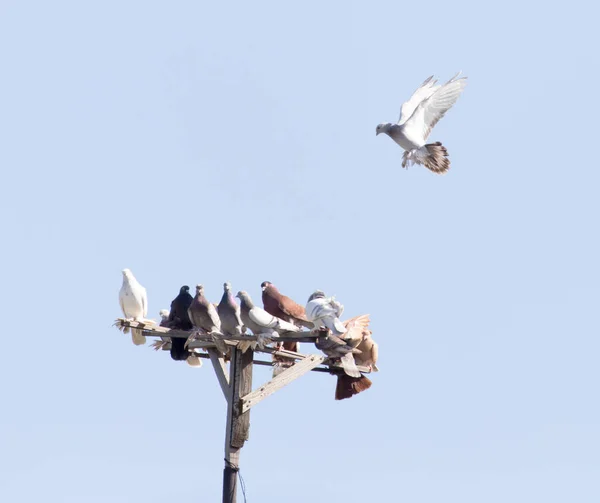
{"points": [[229, 483]]}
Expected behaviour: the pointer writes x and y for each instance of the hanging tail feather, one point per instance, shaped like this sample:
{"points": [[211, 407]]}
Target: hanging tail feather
{"points": [[194, 361], [433, 156], [349, 365], [291, 346], [137, 337], [178, 351], [348, 386]]}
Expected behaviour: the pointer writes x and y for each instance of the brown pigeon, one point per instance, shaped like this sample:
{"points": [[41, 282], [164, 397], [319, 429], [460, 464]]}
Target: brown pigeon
{"points": [[283, 307], [357, 334]]}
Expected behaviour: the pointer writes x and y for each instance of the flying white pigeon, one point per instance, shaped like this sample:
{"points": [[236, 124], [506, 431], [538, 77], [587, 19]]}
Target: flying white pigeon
{"points": [[418, 116], [134, 304], [325, 311]]}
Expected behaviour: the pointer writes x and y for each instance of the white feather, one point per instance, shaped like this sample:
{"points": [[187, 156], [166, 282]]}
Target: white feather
{"points": [[324, 311], [429, 111]]}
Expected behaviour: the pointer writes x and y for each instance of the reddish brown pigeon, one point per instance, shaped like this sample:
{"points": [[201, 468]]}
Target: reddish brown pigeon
{"points": [[283, 307]]}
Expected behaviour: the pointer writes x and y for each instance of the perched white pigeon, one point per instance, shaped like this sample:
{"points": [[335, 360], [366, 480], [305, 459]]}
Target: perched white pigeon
{"points": [[418, 116], [325, 312], [134, 304]]}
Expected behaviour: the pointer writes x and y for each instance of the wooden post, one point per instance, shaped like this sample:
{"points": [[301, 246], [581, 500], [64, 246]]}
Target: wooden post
{"points": [[238, 423], [237, 388]]}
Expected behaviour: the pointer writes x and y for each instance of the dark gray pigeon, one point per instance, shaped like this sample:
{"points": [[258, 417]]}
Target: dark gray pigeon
{"points": [[335, 347], [179, 320]]}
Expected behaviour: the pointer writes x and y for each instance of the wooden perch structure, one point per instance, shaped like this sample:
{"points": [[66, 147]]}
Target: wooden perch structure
{"points": [[206, 342], [236, 381]]}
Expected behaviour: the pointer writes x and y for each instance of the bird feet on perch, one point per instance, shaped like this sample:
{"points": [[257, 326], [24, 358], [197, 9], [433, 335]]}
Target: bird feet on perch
{"points": [[159, 345], [196, 334]]}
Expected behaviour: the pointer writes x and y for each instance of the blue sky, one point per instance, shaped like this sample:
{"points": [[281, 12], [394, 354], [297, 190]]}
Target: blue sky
{"points": [[198, 142]]}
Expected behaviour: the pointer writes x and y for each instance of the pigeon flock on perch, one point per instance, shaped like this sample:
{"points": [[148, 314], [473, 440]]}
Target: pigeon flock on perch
{"points": [[348, 342]]}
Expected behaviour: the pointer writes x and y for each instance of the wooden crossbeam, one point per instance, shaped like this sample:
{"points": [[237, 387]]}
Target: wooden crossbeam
{"points": [[206, 342], [153, 330], [218, 364], [327, 369], [287, 376]]}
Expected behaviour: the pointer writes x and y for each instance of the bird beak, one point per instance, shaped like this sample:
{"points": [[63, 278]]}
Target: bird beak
{"points": [[377, 133], [263, 288]]}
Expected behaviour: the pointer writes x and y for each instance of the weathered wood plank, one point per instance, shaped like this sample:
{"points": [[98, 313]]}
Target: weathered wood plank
{"points": [[299, 356], [153, 330], [287, 376], [232, 454], [242, 385], [326, 369], [220, 368], [205, 344], [328, 365]]}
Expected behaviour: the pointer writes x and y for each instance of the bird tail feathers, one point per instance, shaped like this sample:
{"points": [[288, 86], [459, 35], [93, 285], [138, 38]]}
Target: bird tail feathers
{"points": [[348, 386], [433, 156], [137, 337], [178, 351], [194, 361], [349, 365]]}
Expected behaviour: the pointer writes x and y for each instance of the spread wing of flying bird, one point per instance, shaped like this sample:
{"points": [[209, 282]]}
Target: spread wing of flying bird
{"points": [[424, 91]]}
